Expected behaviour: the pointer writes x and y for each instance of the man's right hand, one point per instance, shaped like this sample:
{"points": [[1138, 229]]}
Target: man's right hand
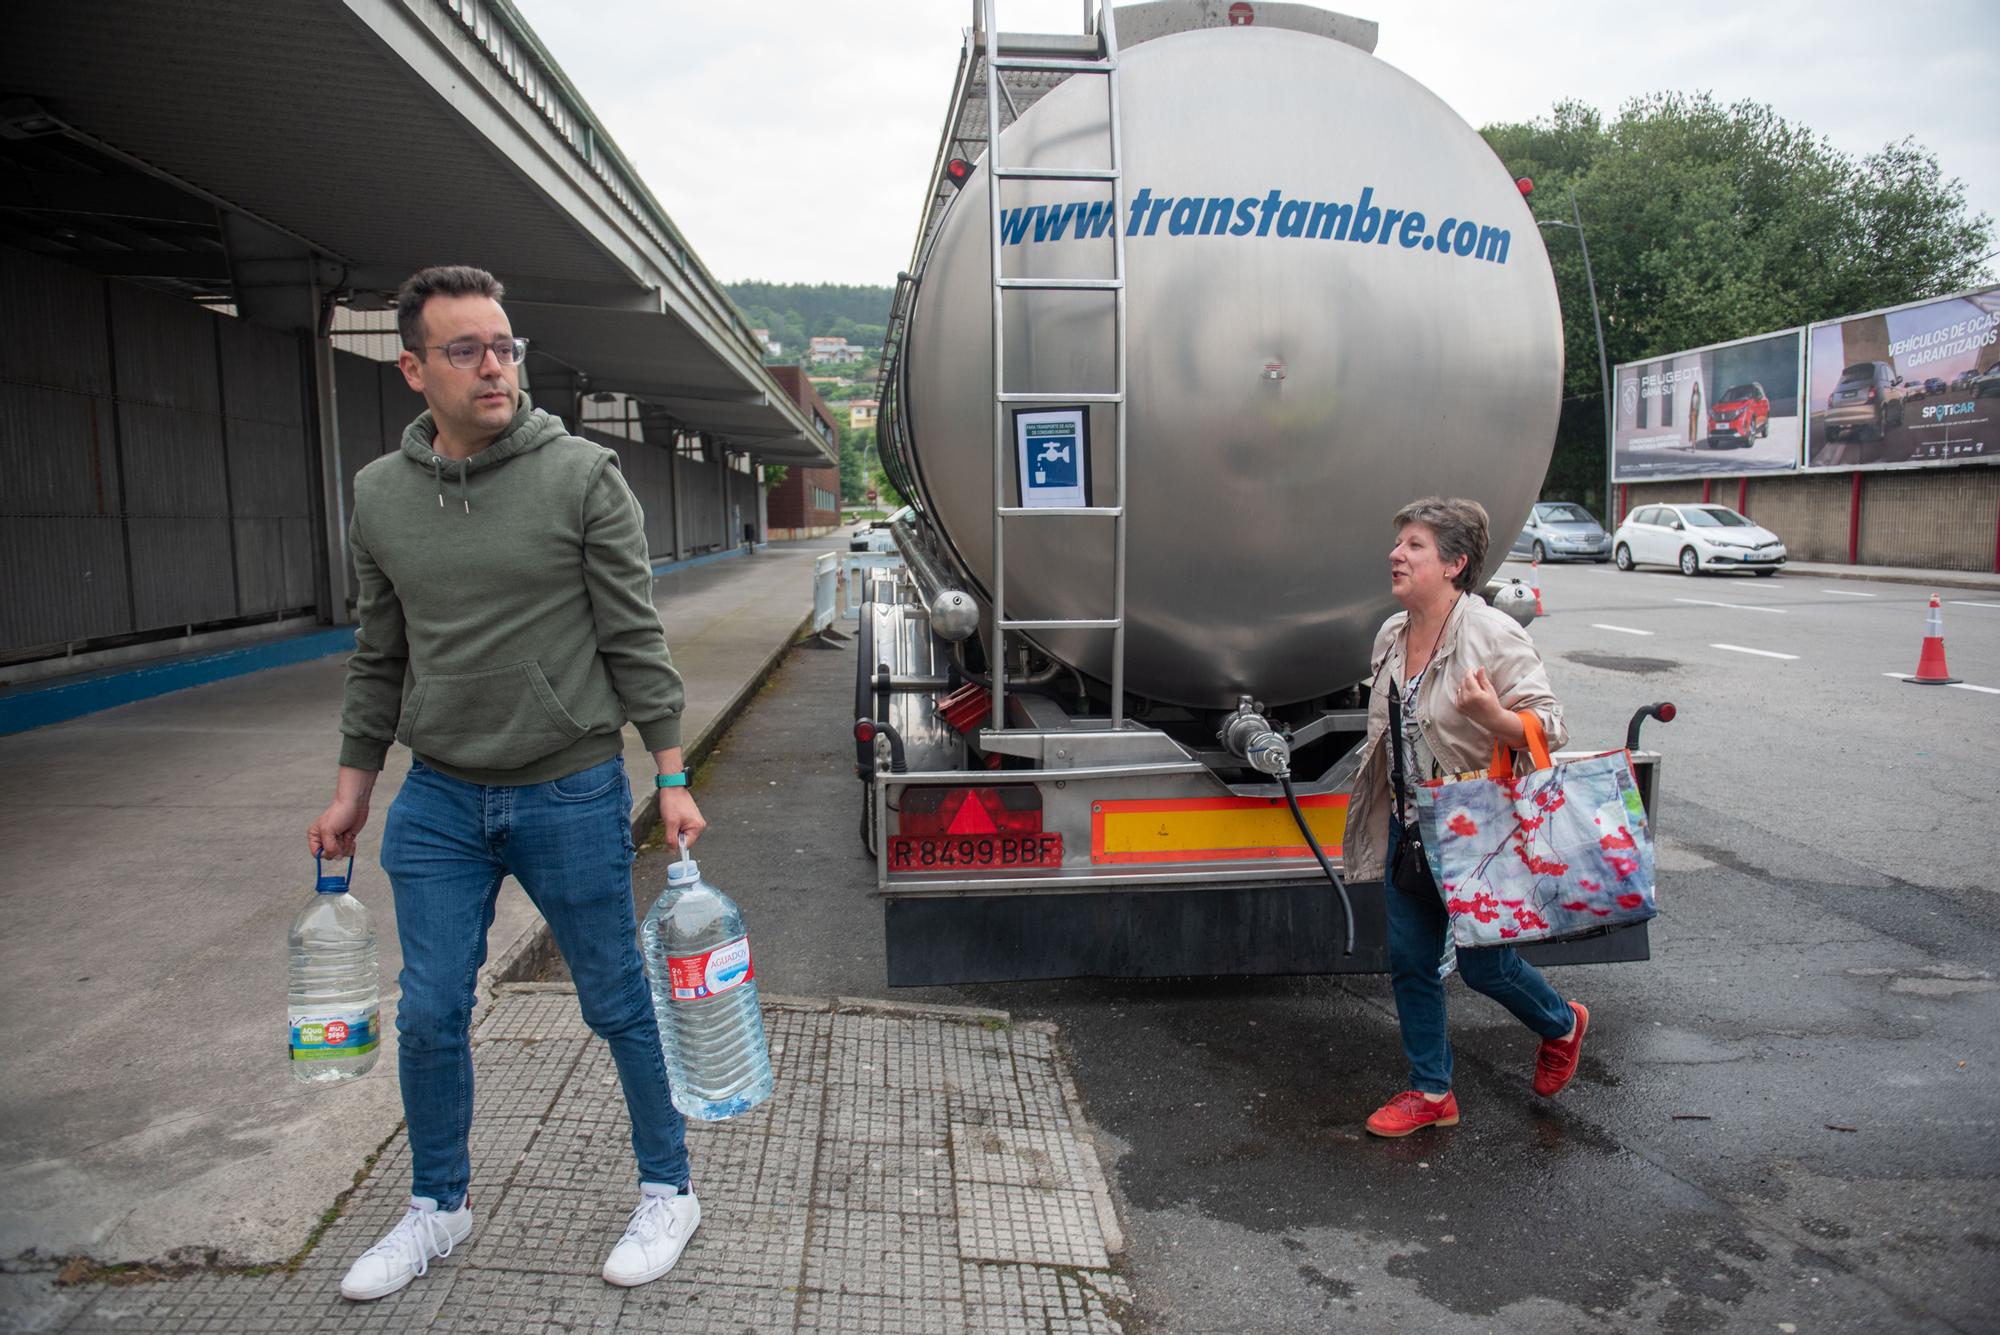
{"points": [[334, 833]]}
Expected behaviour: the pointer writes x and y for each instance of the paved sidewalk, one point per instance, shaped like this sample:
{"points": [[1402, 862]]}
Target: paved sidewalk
{"points": [[917, 1170], [1937, 579], [151, 859]]}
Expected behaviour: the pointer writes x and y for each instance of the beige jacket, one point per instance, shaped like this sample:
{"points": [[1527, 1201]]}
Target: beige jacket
{"points": [[1475, 635]]}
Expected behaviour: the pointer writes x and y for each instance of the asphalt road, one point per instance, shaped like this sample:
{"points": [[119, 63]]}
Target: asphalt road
{"points": [[1785, 1121]]}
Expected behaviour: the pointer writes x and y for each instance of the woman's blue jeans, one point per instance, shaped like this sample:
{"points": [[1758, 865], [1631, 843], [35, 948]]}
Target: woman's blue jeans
{"points": [[1417, 931], [446, 848]]}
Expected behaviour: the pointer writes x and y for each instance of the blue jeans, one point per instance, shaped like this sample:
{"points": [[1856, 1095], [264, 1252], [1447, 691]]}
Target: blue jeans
{"points": [[568, 842], [1417, 931]]}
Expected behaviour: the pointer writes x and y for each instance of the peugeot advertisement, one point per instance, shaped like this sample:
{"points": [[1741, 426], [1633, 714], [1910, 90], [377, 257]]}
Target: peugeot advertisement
{"points": [[1726, 408], [1915, 384]]}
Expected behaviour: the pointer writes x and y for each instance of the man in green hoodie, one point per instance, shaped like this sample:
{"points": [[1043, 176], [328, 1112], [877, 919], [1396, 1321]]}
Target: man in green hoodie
{"points": [[506, 635]]}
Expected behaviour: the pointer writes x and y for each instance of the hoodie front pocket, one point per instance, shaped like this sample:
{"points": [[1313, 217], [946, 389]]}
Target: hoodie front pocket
{"points": [[499, 719]]}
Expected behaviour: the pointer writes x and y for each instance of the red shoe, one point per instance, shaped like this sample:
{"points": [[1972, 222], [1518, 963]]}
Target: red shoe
{"points": [[1410, 1111], [1555, 1064]]}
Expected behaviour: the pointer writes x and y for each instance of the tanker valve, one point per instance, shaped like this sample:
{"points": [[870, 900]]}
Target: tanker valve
{"points": [[1250, 738]]}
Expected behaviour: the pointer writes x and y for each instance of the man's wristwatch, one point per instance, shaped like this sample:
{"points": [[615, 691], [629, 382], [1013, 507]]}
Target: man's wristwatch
{"points": [[678, 779]]}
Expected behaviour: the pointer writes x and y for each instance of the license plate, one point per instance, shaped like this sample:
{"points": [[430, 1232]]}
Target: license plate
{"points": [[916, 852]]}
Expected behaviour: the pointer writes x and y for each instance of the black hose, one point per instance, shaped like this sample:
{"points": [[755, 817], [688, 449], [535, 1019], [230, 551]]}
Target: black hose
{"points": [[1346, 904]]}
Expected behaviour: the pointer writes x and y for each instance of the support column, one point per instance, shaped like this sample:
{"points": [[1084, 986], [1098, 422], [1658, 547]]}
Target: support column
{"points": [[674, 485], [1854, 522], [333, 598]]}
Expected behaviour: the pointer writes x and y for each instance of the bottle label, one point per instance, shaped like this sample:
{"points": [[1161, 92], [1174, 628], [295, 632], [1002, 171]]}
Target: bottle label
{"points": [[336, 1034], [694, 977]]}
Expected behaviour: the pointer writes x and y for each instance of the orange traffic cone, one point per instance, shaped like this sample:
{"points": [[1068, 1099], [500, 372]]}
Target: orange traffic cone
{"points": [[1931, 670], [1535, 582]]}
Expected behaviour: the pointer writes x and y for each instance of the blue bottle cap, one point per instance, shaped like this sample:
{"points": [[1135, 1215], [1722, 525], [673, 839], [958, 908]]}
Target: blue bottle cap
{"points": [[329, 884], [685, 872]]}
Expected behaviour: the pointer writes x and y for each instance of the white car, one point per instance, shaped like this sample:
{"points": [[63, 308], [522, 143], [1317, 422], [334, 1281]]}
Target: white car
{"points": [[1696, 538]]}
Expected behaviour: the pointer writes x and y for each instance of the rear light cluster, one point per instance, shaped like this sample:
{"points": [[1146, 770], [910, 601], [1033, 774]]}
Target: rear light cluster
{"points": [[1014, 808]]}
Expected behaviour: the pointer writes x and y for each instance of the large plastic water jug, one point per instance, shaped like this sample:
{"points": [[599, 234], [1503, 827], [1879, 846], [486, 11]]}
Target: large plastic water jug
{"points": [[336, 985], [705, 994]]}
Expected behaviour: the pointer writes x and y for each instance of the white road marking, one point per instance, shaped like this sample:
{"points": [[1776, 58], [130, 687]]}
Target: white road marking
{"points": [[1624, 630], [1962, 685], [1741, 607], [1848, 593], [1761, 653], [1959, 602]]}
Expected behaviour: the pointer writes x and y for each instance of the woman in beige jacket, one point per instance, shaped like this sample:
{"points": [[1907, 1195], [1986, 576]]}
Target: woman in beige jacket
{"points": [[1453, 673]]}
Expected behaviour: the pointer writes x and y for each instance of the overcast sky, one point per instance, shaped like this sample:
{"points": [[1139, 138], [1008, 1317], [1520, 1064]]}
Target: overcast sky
{"points": [[790, 140]]}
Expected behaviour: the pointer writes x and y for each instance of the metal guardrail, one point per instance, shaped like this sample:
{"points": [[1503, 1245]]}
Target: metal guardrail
{"points": [[826, 575], [853, 568]]}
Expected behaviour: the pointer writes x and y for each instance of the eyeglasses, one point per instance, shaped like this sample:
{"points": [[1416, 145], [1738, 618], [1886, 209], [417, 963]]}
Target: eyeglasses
{"points": [[466, 353]]}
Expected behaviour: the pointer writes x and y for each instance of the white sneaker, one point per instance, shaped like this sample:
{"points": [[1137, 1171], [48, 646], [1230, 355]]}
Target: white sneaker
{"points": [[407, 1250], [659, 1230]]}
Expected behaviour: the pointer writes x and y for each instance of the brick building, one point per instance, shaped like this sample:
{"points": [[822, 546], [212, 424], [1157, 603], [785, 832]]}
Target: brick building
{"points": [[807, 503]]}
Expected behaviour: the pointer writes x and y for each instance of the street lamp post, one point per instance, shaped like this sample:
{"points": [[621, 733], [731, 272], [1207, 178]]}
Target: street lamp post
{"points": [[1603, 363]]}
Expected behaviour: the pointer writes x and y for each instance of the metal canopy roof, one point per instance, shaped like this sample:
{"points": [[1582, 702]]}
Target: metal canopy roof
{"points": [[220, 146]]}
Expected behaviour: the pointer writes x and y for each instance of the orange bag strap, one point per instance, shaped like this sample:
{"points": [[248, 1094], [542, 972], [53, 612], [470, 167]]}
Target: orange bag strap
{"points": [[1537, 748]]}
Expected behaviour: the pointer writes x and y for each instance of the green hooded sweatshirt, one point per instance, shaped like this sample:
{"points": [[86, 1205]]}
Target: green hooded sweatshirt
{"points": [[507, 629]]}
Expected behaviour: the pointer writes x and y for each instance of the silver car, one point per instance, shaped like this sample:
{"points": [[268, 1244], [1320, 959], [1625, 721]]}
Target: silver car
{"points": [[1562, 531]]}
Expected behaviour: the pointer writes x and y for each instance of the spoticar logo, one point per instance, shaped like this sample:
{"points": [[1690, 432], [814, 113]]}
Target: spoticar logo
{"points": [[1268, 214], [1938, 412]]}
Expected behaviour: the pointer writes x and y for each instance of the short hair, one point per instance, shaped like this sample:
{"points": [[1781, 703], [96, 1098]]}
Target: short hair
{"points": [[1461, 527], [440, 280]]}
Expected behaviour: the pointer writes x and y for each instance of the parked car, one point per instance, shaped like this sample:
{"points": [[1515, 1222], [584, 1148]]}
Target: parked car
{"points": [[1934, 387], [1561, 531], [1868, 397], [1741, 414], [1696, 538], [1988, 382]]}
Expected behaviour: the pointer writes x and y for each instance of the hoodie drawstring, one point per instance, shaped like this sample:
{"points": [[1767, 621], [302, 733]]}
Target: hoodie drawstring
{"points": [[437, 475]]}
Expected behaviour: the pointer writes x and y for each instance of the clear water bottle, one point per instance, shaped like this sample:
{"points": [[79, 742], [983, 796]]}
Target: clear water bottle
{"points": [[336, 988], [705, 994]]}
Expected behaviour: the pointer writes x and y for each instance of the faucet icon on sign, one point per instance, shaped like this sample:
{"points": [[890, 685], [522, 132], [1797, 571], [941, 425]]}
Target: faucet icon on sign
{"points": [[1053, 453]]}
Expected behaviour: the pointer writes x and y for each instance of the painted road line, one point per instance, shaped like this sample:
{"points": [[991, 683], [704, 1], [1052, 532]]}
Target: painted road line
{"points": [[1960, 602], [1848, 593], [1741, 607], [1623, 630], [1761, 653], [1961, 685]]}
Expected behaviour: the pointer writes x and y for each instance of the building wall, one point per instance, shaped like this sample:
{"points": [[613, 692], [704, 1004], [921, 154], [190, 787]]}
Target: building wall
{"points": [[806, 504], [157, 460], [1927, 518]]}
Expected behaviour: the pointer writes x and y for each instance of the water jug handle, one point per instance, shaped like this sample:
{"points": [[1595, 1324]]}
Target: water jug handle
{"points": [[332, 885], [684, 844]]}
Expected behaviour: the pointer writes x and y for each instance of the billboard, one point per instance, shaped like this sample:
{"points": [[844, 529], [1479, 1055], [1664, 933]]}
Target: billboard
{"points": [[1915, 384], [1727, 408]]}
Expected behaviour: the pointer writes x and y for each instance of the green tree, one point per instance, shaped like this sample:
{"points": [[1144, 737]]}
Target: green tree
{"points": [[1709, 222]]}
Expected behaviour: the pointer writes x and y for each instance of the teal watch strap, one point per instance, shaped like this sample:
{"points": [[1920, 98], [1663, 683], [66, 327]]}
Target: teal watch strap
{"points": [[676, 780]]}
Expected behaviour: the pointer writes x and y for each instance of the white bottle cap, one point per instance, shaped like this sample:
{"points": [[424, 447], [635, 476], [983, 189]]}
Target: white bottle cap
{"points": [[685, 871]]}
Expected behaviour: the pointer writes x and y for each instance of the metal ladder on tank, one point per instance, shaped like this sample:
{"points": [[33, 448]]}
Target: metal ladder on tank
{"points": [[1105, 64]]}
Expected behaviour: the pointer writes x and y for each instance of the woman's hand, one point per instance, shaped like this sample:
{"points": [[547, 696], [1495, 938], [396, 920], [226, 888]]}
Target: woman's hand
{"points": [[1477, 700]]}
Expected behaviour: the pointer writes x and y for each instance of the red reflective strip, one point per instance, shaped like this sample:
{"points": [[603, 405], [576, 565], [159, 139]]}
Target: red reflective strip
{"points": [[1707, 490], [1743, 495]]}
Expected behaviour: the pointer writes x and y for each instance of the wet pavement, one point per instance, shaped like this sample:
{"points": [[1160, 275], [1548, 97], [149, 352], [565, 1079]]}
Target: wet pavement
{"points": [[1785, 1120]]}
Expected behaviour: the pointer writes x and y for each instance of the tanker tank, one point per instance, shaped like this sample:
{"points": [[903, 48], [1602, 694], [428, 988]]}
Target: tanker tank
{"points": [[1337, 301]]}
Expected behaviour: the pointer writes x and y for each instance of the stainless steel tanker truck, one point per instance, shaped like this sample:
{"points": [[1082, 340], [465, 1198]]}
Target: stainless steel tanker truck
{"points": [[1200, 298]]}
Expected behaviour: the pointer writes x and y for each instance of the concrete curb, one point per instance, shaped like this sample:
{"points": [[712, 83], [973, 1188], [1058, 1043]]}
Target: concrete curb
{"points": [[1940, 579], [534, 948]]}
